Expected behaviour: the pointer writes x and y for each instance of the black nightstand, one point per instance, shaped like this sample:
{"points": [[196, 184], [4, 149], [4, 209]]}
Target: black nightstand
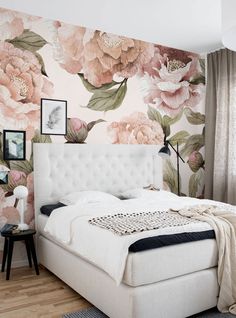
{"points": [[10, 238]]}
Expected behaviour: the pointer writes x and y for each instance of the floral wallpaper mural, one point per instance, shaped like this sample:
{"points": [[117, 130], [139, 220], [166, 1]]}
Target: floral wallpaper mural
{"points": [[118, 90]]}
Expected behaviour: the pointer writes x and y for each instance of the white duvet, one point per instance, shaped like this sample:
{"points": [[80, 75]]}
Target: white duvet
{"points": [[69, 226]]}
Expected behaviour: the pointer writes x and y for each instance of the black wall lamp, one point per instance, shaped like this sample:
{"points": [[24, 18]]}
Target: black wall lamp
{"points": [[165, 153]]}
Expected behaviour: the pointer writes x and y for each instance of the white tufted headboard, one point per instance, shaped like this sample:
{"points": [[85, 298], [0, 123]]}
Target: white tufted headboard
{"points": [[63, 168]]}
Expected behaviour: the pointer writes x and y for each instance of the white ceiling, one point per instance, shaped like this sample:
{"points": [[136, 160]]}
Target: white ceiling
{"points": [[193, 25]]}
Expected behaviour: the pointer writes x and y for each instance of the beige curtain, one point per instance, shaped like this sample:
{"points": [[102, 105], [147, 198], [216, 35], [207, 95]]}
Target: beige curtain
{"points": [[221, 126]]}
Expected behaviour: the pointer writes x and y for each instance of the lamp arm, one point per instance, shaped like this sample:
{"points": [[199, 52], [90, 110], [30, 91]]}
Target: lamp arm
{"points": [[177, 152]]}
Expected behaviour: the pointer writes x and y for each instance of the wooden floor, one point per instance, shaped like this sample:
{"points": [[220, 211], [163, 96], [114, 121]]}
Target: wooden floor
{"points": [[27, 295]]}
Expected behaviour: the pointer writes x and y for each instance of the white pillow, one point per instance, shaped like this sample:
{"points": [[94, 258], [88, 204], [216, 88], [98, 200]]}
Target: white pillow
{"points": [[136, 193], [87, 197], [144, 193]]}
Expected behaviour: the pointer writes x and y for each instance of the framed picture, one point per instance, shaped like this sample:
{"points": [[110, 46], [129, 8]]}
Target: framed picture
{"points": [[13, 145], [53, 117], [3, 177]]}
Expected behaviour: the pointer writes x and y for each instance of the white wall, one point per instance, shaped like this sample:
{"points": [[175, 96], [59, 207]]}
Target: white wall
{"points": [[184, 24]]}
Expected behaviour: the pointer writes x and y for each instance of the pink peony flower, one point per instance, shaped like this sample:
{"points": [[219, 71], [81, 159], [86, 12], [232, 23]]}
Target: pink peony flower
{"points": [[17, 115], [195, 161], [16, 175], [7, 212], [77, 130], [151, 68], [29, 213], [21, 87], [136, 129], [108, 54], [13, 23], [10, 214], [3, 221], [68, 46], [99, 54], [20, 73], [169, 86], [15, 178], [2, 198]]}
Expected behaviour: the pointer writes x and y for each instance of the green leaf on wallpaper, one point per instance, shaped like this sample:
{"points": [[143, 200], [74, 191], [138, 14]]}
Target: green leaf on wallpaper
{"points": [[194, 118], [92, 88], [167, 120], [28, 40], [203, 131], [108, 100], [170, 176], [3, 163], [180, 137], [200, 79], [202, 63], [166, 130], [38, 138], [193, 143], [92, 123], [195, 181], [153, 114], [24, 166], [41, 62]]}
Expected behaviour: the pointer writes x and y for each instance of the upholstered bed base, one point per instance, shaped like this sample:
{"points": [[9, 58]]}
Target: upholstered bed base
{"points": [[173, 298], [62, 168]]}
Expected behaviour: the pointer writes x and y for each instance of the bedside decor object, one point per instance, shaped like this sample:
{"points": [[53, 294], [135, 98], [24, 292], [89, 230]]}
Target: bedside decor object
{"points": [[53, 117], [13, 145], [10, 238], [20, 193], [165, 153]]}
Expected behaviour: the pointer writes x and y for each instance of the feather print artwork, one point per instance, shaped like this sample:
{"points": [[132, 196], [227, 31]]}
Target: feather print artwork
{"points": [[54, 117]]}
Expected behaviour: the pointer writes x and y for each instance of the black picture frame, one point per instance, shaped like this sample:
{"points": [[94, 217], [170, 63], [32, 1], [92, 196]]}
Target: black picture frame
{"points": [[53, 117], [14, 144], [3, 177]]}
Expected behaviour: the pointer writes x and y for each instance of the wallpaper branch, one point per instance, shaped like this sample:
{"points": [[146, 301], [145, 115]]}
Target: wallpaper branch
{"points": [[118, 90]]}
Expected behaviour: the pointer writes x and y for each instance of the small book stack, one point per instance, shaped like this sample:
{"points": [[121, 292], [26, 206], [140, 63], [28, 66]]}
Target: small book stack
{"points": [[10, 229]]}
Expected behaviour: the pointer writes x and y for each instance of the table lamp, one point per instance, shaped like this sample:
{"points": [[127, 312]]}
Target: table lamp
{"points": [[21, 193]]}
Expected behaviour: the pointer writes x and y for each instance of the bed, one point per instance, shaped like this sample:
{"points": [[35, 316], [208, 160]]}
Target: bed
{"points": [[174, 281]]}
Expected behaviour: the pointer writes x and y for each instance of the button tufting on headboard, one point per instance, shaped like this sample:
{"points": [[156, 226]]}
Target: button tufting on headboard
{"points": [[62, 168]]}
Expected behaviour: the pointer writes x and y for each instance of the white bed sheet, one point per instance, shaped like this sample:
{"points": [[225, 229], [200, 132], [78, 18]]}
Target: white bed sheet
{"points": [[158, 264], [110, 252]]}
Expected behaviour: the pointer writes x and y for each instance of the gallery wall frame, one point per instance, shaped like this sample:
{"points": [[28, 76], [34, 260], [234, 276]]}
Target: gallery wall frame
{"points": [[53, 116], [3, 177], [14, 144], [4, 171]]}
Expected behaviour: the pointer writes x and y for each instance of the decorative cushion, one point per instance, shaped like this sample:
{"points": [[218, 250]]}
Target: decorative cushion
{"points": [[47, 209], [83, 197]]}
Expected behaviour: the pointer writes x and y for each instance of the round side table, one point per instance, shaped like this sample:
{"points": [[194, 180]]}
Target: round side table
{"points": [[10, 238]]}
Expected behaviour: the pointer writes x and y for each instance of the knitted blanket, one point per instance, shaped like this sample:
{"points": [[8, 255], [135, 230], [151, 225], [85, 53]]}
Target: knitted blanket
{"points": [[223, 222], [125, 224]]}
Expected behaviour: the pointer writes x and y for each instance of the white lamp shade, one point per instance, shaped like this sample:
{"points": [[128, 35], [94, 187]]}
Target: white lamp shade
{"points": [[20, 192]]}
